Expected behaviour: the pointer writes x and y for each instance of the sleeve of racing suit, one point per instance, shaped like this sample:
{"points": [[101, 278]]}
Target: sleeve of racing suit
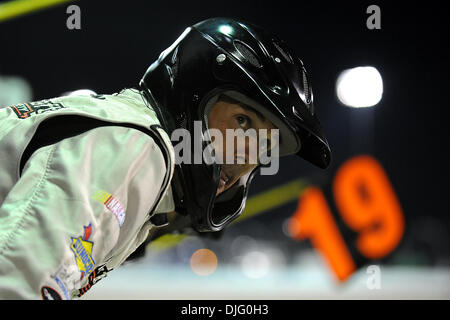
{"points": [[77, 203]]}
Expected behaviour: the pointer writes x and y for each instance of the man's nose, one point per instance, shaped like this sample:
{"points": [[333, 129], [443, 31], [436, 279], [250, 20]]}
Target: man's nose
{"points": [[244, 153], [248, 152]]}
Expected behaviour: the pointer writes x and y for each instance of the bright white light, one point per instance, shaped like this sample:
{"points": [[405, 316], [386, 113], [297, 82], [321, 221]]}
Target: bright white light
{"points": [[81, 92], [359, 87], [255, 264], [225, 29]]}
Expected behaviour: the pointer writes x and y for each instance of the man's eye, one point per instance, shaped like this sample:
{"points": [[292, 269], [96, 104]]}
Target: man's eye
{"points": [[242, 120]]}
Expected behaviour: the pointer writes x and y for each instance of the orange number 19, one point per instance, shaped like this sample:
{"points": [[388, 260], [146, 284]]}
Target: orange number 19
{"points": [[367, 203]]}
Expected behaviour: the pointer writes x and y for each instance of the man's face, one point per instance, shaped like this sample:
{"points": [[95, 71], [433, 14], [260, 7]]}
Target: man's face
{"points": [[224, 115]]}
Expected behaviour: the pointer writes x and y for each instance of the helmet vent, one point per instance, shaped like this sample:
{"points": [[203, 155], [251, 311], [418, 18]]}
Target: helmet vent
{"points": [[285, 55], [247, 53], [174, 64], [306, 88]]}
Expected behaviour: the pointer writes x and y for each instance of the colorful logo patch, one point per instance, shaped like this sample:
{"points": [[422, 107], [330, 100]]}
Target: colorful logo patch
{"points": [[112, 204], [25, 110], [82, 249], [98, 274]]}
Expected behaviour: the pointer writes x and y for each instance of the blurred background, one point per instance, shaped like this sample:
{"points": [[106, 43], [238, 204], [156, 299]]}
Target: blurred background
{"points": [[374, 225]]}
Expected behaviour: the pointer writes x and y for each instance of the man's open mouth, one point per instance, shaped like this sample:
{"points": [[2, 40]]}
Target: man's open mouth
{"points": [[224, 179]]}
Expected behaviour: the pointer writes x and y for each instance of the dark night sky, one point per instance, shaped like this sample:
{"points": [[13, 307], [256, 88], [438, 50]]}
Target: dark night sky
{"points": [[118, 40]]}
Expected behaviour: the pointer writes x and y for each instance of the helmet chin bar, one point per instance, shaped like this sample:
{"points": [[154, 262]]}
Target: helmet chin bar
{"points": [[231, 200]]}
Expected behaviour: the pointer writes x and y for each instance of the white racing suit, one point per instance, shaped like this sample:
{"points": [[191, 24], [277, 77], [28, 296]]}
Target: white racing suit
{"points": [[81, 179]]}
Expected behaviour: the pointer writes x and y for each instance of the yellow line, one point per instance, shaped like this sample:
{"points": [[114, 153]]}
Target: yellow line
{"points": [[16, 8], [257, 204], [273, 198], [166, 241]]}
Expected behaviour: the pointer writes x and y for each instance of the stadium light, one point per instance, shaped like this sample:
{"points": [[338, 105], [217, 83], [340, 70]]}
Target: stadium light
{"points": [[359, 87]]}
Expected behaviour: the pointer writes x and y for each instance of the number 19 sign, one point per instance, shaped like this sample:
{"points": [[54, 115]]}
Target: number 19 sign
{"points": [[367, 204]]}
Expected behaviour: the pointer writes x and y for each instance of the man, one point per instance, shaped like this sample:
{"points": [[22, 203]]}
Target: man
{"points": [[84, 180]]}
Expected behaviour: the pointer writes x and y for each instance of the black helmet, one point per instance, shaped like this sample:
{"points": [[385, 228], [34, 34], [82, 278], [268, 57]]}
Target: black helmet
{"points": [[222, 55]]}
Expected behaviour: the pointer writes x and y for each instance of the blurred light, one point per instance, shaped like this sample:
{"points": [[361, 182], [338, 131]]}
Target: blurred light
{"points": [[14, 90], [242, 244], [81, 92], [203, 262], [255, 264], [359, 87], [291, 227], [286, 228], [225, 29]]}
